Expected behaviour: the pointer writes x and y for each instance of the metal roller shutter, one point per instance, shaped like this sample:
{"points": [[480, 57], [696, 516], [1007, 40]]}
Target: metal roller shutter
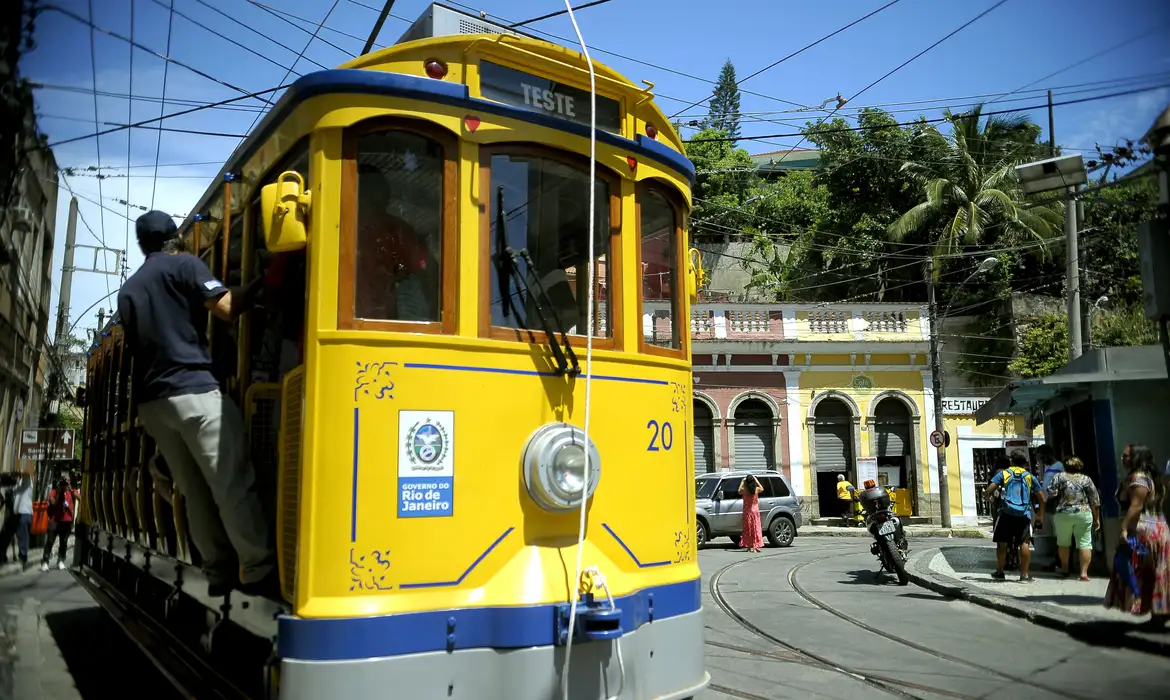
{"points": [[893, 438], [833, 447], [753, 444], [704, 447]]}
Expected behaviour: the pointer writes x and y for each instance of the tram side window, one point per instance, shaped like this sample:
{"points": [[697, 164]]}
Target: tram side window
{"points": [[399, 227], [659, 250], [546, 213]]}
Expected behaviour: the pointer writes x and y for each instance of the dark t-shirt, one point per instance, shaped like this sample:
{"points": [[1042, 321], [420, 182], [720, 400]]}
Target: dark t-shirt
{"points": [[162, 311]]}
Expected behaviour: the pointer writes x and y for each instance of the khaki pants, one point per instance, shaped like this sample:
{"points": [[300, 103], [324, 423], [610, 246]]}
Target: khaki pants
{"points": [[201, 436]]}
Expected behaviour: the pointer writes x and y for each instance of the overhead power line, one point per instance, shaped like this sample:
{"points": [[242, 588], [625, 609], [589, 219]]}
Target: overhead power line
{"points": [[631, 59], [794, 53], [255, 31], [163, 107], [1094, 98], [250, 95], [558, 13], [905, 63], [107, 32], [299, 56], [1132, 39]]}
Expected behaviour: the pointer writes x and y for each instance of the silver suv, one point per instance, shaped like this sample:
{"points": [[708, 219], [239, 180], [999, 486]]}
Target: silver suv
{"points": [[719, 507]]}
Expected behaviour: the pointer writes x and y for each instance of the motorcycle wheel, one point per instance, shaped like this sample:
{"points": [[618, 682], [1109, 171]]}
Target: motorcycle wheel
{"points": [[894, 557]]}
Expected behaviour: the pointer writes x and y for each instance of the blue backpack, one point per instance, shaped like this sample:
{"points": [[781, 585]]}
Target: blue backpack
{"points": [[1017, 493]]}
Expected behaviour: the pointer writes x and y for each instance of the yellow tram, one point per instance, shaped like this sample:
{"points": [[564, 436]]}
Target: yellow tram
{"points": [[414, 389]]}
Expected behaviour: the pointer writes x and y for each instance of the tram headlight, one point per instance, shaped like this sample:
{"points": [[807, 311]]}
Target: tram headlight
{"points": [[554, 467]]}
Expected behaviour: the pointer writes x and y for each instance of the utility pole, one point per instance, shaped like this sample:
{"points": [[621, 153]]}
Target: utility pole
{"points": [[67, 275], [1073, 275], [1052, 130], [944, 492]]}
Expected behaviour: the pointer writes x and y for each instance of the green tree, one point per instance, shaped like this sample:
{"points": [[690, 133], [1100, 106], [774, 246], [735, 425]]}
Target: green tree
{"points": [[841, 249], [1109, 246], [725, 175], [1043, 347], [972, 189], [1124, 326], [724, 107]]}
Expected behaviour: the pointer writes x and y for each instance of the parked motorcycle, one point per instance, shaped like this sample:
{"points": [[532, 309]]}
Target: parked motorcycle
{"points": [[890, 545]]}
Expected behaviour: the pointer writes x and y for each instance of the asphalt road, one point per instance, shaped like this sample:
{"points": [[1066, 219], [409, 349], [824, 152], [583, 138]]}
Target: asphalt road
{"points": [[915, 643], [56, 644]]}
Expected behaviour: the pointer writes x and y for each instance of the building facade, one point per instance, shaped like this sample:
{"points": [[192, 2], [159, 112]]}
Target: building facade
{"points": [[26, 260], [816, 390]]}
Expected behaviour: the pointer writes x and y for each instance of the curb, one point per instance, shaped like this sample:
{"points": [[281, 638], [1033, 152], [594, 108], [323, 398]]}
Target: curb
{"points": [[1089, 629]]}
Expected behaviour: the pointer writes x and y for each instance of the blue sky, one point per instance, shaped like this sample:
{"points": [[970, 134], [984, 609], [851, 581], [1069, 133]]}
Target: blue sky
{"points": [[1016, 44]]}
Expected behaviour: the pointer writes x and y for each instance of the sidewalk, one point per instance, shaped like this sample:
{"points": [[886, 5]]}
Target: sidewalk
{"points": [[1071, 605], [911, 531]]}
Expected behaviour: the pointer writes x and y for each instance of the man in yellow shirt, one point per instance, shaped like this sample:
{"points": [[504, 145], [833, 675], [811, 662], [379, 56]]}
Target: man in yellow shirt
{"points": [[845, 492]]}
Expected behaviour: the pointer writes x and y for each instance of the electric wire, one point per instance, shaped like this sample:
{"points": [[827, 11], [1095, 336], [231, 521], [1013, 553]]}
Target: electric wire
{"points": [[835, 130], [115, 35], [558, 13], [163, 105], [130, 137], [298, 58], [257, 32], [1102, 52], [905, 63], [793, 54], [97, 141], [226, 38]]}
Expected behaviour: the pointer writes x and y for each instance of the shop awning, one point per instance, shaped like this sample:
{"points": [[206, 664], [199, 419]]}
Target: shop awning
{"points": [[1097, 366]]}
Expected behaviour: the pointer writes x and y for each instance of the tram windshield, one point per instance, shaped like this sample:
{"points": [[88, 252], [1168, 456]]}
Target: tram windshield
{"points": [[546, 213]]}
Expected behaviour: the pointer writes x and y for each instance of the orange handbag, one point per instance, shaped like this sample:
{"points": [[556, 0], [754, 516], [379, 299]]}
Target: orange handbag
{"points": [[40, 519]]}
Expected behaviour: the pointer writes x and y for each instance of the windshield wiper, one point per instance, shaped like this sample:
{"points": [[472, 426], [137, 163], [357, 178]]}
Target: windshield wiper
{"points": [[553, 309], [508, 272]]}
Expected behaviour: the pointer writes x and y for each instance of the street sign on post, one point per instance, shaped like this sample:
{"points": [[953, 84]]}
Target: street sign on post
{"points": [[936, 438], [46, 445]]}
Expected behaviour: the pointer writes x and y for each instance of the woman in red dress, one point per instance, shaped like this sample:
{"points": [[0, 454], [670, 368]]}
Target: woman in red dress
{"points": [[753, 534]]}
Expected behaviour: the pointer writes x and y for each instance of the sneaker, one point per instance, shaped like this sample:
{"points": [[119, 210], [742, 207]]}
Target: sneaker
{"points": [[61, 566], [998, 575], [44, 566], [1027, 579]]}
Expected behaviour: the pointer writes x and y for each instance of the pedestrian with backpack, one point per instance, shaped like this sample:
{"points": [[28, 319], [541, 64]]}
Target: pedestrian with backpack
{"points": [[1014, 523]]}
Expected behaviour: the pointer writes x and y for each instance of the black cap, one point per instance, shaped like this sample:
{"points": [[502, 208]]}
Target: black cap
{"points": [[156, 226]]}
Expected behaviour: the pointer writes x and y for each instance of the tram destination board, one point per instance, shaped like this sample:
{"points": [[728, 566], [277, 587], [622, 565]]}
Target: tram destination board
{"points": [[545, 96], [47, 444]]}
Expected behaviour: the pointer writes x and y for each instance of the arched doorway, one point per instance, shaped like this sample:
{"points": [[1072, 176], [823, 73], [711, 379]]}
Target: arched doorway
{"points": [[704, 438], [754, 435], [892, 443], [833, 443]]}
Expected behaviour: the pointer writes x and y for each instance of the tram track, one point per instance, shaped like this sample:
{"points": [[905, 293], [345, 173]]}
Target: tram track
{"points": [[821, 605], [795, 654], [888, 685]]}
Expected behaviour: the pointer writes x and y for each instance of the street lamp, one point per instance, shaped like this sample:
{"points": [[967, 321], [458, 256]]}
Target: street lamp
{"points": [[1065, 172], [944, 493]]}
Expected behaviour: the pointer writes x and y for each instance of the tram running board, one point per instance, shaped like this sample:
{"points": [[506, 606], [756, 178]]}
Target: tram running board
{"points": [[190, 675]]}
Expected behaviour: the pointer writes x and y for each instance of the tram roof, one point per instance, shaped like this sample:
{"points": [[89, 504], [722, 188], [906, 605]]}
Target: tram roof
{"points": [[361, 75]]}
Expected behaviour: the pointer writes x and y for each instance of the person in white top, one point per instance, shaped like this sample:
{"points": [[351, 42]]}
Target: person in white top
{"points": [[1052, 466]]}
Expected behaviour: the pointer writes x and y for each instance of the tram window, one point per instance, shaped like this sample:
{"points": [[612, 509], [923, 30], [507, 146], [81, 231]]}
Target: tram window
{"points": [[399, 227], [546, 213], [658, 231]]}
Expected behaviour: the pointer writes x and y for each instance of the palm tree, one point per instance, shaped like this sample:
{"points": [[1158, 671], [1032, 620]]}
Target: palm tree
{"points": [[973, 188]]}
